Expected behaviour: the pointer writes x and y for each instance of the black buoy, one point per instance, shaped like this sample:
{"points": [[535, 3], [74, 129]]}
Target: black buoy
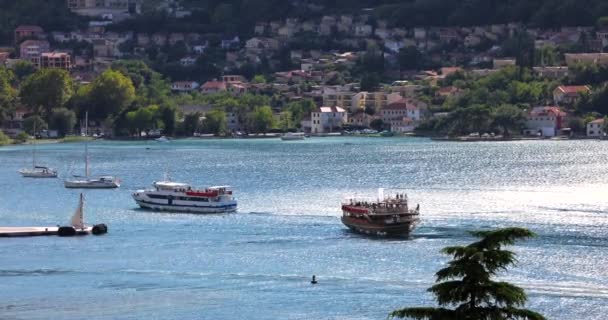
{"points": [[66, 231], [99, 229], [314, 280]]}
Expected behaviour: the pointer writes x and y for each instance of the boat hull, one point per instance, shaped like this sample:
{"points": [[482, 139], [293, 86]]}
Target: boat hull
{"points": [[224, 208], [365, 227], [90, 185], [37, 175]]}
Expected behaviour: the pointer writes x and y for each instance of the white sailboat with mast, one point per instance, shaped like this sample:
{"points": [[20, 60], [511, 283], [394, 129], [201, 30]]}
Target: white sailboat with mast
{"points": [[37, 171], [88, 182]]}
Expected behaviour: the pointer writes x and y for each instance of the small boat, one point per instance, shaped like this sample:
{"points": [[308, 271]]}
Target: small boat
{"points": [[385, 216], [181, 197], [292, 136], [102, 182], [87, 182], [162, 139], [37, 171]]}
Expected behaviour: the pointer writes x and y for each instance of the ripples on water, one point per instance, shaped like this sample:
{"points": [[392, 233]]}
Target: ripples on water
{"points": [[257, 264]]}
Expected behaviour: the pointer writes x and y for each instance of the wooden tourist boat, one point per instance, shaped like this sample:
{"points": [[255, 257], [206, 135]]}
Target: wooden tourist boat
{"points": [[384, 216]]}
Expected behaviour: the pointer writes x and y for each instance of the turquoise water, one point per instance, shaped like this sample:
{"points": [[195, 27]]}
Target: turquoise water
{"points": [[257, 264]]}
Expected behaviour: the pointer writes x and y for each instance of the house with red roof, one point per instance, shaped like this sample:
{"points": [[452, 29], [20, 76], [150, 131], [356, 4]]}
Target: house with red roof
{"points": [[403, 115], [545, 121], [213, 86], [569, 94], [328, 119], [27, 31]]}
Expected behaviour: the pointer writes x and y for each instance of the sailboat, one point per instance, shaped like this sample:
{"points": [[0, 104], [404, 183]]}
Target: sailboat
{"points": [[37, 171], [88, 182], [77, 226]]}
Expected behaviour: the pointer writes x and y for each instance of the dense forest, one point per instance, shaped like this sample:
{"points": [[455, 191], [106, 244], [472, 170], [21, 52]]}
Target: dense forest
{"points": [[239, 16]]}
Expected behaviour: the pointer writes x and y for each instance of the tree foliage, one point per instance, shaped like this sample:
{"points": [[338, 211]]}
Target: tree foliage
{"points": [[62, 120], [109, 94], [215, 122], [46, 90], [34, 124], [7, 93], [262, 119], [466, 283]]}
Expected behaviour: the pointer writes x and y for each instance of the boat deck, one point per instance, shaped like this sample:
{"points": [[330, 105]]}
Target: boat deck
{"points": [[36, 231]]}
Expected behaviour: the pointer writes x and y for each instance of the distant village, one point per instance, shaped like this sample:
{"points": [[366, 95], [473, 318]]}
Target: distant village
{"points": [[324, 76]]}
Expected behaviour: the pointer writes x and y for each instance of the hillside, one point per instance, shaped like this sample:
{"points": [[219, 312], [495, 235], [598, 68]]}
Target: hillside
{"points": [[238, 16]]}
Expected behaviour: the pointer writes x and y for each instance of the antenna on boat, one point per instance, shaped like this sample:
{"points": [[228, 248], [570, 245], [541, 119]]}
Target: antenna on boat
{"points": [[380, 194]]}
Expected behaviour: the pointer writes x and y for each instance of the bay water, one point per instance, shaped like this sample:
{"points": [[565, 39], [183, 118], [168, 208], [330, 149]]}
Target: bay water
{"points": [[257, 263]]}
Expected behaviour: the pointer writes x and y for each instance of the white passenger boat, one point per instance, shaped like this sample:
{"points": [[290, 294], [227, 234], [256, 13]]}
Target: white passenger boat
{"points": [[181, 197], [86, 181], [291, 136]]}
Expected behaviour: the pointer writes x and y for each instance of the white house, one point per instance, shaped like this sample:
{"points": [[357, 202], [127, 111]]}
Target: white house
{"points": [[545, 121], [402, 116], [328, 119], [595, 128], [184, 86]]}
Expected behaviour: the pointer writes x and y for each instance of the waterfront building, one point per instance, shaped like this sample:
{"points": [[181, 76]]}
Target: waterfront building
{"points": [[328, 119], [403, 116], [545, 121]]}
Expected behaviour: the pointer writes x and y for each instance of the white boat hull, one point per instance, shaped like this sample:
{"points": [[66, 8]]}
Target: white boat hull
{"points": [[211, 209], [37, 174], [91, 184]]}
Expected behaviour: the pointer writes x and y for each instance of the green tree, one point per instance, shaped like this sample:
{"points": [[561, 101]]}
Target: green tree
{"points": [[215, 122], [22, 137], [109, 94], [476, 118], [62, 120], [143, 119], [300, 109], [466, 283], [262, 119], [4, 139], [258, 79], [23, 68], [7, 93], [47, 88], [34, 122], [167, 116], [508, 117], [192, 123]]}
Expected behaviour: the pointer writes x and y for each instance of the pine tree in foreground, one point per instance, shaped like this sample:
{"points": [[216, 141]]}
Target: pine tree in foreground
{"points": [[466, 283]]}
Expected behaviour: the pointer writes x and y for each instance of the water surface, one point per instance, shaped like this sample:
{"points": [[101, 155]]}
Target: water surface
{"points": [[257, 264]]}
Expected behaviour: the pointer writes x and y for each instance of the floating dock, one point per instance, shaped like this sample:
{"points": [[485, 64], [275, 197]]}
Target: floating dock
{"points": [[38, 231]]}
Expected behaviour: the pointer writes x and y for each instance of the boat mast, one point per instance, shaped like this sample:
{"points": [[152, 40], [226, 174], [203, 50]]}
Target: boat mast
{"points": [[34, 144], [86, 144]]}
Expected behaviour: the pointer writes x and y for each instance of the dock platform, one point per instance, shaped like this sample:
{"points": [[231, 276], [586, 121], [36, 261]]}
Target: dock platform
{"points": [[38, 231]]}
